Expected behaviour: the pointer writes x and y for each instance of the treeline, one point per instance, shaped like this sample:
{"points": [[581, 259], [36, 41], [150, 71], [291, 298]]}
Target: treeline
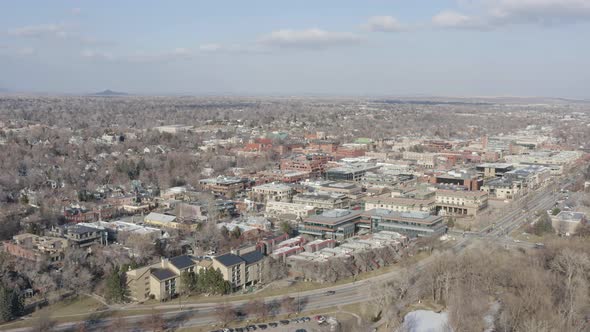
{"points": [[538, 290]]}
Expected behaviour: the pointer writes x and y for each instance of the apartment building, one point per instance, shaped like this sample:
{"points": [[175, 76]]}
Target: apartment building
{"points": [[160, 280], [241, 267], [82, 235], [37, 248]]}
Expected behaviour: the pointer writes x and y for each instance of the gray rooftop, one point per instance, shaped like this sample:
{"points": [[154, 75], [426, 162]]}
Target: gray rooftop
{"points": [[229, 259], [182, 262], [163, 274], [252, 257]]}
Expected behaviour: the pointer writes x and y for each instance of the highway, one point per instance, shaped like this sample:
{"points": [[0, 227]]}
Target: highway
{"points": [[203, 314]]}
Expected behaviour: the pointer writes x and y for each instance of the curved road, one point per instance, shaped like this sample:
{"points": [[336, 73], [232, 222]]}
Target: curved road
{"points": [[203, 314]]}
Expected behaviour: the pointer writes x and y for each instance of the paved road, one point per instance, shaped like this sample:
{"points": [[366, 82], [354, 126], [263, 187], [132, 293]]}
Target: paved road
{"points": [[203, 314]]}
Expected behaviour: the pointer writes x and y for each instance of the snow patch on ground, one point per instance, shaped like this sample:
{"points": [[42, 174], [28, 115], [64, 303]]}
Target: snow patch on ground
{"points": [[425, 321]]}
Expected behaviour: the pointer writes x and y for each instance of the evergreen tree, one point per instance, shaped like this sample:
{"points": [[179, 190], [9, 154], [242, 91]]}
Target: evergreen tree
{"points": [[17, 304], [11, 304], [115, 286], [5, 304]]}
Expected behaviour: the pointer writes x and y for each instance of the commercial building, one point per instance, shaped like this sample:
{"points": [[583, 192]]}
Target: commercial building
{"points": [[272, 192], [426, 160], [458, 202], [345, 188], [566, 223], [313, 164], [402, 204], [160, 280], [503, 188], [275, 209], [490, 170], [466, 179], [335, 224], [350, 172], [223, 185], [412, 224], [285, 176], [323, 201], [162, 220]]}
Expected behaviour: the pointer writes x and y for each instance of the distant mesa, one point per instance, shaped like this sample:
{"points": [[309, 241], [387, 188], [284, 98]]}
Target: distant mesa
{"points": [[110, 93]]}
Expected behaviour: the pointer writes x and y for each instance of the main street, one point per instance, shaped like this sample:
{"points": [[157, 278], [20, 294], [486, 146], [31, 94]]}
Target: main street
{"points": [[203, 314]]}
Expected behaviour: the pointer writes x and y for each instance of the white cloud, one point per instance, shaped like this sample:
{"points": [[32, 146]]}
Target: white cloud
{"points": [[538, 11], [26, 51], [383, 24], [452, 19], [310, 38], [97, 55], [16, 51], [42, 30], [210, 47], [140, 57], [497, 13]]}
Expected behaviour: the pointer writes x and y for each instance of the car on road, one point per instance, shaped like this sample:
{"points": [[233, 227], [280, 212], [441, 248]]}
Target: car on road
{"points": [[301, 330], [284, 322], [330, 292], [306, 319]]}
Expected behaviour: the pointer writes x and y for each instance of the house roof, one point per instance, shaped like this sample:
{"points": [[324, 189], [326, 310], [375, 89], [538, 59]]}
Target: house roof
{"points": [[252, 257], [163, 274], [229, 259], [182, 262]]}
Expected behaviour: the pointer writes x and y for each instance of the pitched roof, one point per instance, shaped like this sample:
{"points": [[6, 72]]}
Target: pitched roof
{"points": [[182, 262], [229, 259], [252, 257], [163, 274]]}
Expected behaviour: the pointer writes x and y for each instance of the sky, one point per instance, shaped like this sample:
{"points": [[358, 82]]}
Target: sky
{"points": [[320, 47]]}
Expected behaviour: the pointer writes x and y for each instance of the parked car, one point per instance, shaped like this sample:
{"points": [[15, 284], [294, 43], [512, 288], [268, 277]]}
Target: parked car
{"points": [[273, 324], [284, 322], [330, 292], [262, 326]]}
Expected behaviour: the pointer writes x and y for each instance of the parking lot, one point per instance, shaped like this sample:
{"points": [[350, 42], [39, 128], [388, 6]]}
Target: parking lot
{"points": [[300, 324]]}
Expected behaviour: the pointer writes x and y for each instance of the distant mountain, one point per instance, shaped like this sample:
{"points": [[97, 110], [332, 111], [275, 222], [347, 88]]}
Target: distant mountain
{"points": [[108, 93]]}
